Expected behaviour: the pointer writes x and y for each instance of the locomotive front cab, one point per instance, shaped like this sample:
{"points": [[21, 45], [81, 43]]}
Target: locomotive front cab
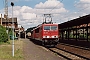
{"points": [[50, 33]]}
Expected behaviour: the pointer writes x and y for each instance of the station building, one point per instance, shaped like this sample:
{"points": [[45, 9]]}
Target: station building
{"points": [[7, 23]]}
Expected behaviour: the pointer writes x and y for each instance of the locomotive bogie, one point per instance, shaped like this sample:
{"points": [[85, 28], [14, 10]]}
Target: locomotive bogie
{"points": [[51, 41]]}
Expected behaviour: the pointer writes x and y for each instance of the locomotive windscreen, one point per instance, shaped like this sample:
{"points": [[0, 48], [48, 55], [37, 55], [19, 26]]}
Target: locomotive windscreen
{"points": [[50, 27], [53, 27]]}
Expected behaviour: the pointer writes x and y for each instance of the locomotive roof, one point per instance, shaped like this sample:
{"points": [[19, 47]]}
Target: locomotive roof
{"points": [[37, 27], [43, 24], [50, 24]]}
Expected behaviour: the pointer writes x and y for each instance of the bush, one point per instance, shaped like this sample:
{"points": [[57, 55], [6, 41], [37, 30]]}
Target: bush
{"points": [[3, 34]]}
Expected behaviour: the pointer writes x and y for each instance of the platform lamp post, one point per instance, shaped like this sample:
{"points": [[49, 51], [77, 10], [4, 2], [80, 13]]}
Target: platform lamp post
{"points": [[12, 4]]}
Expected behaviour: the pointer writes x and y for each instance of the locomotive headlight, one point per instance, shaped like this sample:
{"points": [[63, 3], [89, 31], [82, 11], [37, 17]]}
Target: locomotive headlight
{"points": [[46, 36], [54, 36]]}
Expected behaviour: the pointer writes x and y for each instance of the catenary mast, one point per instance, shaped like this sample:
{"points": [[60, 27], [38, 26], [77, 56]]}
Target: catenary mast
{"points": [[6, 14], [6, 9]]}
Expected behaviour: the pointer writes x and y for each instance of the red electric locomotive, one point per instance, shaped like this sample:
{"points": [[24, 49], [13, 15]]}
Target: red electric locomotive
{"points": [[46, 33]]}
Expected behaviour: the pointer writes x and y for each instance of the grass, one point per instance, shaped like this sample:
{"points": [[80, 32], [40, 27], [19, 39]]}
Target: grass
{"points": [[6, 50]]}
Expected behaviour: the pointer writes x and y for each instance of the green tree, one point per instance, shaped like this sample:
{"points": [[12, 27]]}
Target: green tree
{"points": [[3, 34]]}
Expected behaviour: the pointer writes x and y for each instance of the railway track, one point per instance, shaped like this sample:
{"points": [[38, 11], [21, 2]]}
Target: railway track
{"points": [[70, 52], [79, 47], [67, 55], [83, 52]]}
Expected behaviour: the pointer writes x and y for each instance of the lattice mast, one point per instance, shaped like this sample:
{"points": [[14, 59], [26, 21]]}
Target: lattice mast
{"points": [[6, 15], [6, 9]]}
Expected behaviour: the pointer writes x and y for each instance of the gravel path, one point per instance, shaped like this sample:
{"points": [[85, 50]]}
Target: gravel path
{"points": [[36, 52]]}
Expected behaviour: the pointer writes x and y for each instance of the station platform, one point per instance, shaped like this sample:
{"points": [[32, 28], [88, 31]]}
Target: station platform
{"points": [[36, 52]]}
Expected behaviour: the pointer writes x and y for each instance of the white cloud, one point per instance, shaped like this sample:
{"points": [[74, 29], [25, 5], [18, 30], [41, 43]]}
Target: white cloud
{"points": [[50, 4], [26, 14], [84, 6], [85, 1]]}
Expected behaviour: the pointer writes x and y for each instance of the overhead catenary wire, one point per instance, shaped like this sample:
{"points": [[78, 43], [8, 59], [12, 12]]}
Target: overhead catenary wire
{"points": [[67, 15], [77, 11], [55, 6]]}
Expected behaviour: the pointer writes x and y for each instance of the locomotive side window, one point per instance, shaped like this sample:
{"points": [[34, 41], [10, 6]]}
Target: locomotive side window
{"points": [[46, 27], [53, 27], [37, 30]]}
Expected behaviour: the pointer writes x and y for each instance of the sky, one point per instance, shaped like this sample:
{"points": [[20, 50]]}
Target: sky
{"points": [[30, 13]]}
